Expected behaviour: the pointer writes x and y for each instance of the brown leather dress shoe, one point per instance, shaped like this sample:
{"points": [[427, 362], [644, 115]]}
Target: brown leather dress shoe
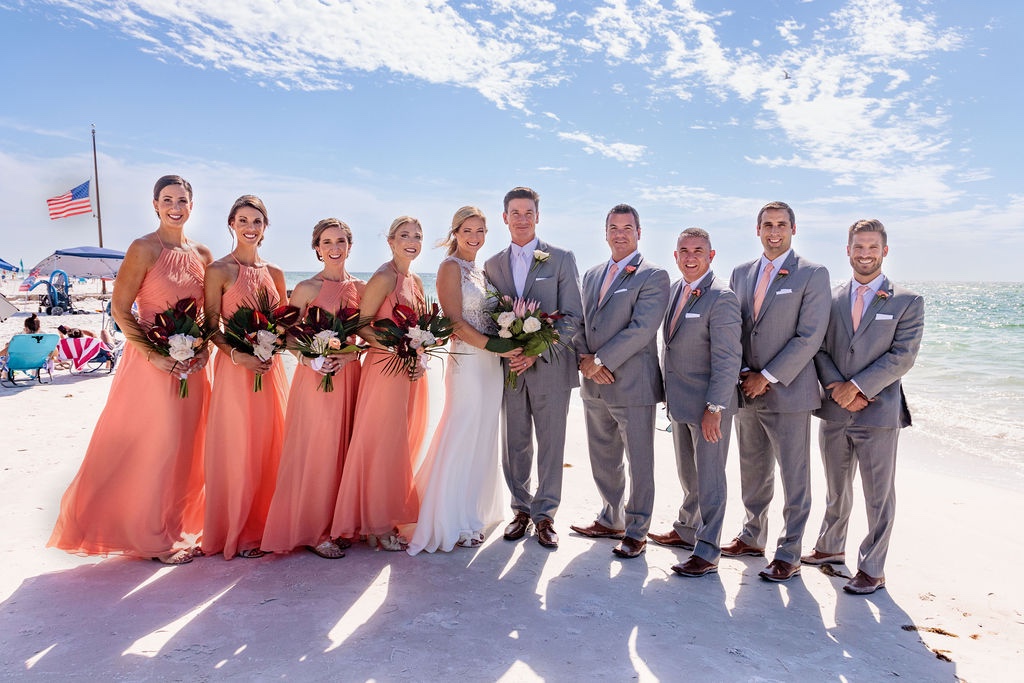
{"points": [[818, 558], [598, 530], [546, 535], [737, 548], [779, 571], [695, 566], [670, 540], [864, 584], [518, 527], [630, 547]]}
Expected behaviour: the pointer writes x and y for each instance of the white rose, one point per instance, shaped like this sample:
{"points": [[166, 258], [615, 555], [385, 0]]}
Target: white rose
{"points": [[322, 341], [506, 319], [266, 344], [181, 347], [504, 333], [531, 325]]}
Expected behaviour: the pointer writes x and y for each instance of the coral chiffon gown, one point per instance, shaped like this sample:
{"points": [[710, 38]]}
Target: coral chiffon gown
{"points": [[244, 433], [378, 492], [139, 490], [318, 426]]}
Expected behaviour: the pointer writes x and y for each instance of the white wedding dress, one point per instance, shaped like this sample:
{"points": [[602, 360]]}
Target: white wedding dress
{"points": [[461, 486]]}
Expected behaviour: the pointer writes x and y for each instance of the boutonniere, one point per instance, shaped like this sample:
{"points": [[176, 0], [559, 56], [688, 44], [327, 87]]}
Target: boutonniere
{"points": [[539, 257], [782, 273], [629, 270], [695, 294], [882, 295]]}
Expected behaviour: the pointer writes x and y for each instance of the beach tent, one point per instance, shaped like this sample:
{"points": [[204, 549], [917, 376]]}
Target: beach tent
{"points": [[4, 265], [81, 262]]}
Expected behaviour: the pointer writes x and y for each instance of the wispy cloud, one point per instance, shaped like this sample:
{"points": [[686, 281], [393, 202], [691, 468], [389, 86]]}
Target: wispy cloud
{"points": [[621, 151]]}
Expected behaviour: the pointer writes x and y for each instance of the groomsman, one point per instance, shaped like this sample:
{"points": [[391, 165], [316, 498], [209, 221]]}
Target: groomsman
{"points": [[873, 337], [701, 361], [784, 300], [540, 271], [624, 301]]}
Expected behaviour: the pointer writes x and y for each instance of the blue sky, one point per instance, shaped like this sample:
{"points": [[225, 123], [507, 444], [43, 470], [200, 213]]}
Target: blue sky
{"points": [[369, 109]]}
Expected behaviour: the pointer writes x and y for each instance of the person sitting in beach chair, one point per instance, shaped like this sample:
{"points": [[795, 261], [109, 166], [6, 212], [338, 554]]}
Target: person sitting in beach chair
{"points": [[30, 354], [83, 353]]}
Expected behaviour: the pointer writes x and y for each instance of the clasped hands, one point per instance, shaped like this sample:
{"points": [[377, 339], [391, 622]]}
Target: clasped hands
{"points": [[848, 396], [598, 374]]}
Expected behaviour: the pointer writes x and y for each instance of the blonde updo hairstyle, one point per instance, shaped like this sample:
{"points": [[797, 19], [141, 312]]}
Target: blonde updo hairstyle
{"points": [[322, 226], [460, 217]]}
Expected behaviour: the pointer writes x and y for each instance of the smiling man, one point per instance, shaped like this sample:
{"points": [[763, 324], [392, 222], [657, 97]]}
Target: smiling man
{"points": [[784, 300], [701, 360], [873, 337], [624, 301]]}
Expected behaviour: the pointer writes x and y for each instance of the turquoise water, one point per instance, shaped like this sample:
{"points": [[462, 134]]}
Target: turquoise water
{"points": [[967, 388]]}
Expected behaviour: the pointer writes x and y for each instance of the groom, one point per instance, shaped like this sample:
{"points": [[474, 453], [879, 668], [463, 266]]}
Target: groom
{"points": [[533, 269]]}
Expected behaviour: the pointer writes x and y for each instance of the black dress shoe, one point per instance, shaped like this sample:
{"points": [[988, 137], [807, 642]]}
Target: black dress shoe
{"points": [[695, 566], [670, 540], [630, 547], [546, 535], [598, 530], [518, 527]]}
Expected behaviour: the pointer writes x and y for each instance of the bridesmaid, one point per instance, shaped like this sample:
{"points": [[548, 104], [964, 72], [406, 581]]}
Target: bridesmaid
{"points": [[245, 428], [139, 490], [318, 424], [378, 493]]}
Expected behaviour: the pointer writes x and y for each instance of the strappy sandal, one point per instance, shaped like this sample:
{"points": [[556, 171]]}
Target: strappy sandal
{"points": [[342, 543], [177, 557], [251, 553], [393, 542], [327, 550], [471, 540]]}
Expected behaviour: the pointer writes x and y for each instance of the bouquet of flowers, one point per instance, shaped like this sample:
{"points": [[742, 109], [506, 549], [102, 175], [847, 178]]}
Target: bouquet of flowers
{"points": [[259, 328], [523, 325], [178, 332], [322, 333], [413, 336]]}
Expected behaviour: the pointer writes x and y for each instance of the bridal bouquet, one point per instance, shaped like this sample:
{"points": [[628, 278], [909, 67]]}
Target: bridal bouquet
{"points": [[522, 325], [322, 333], [259, 328], [178, 332], [412, 336]]}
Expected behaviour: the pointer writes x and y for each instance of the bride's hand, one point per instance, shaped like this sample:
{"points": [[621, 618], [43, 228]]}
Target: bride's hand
{"points": [[512, 354]]}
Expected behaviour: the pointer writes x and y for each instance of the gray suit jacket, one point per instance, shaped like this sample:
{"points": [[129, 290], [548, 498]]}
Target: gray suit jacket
{"points": [[555, 284], [622, 330], [876, 356], [784, 339], [702, 353]]}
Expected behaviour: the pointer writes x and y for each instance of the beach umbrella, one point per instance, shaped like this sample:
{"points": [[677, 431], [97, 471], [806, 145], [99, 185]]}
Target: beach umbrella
{"points": [[81, 262], [4, 265]]}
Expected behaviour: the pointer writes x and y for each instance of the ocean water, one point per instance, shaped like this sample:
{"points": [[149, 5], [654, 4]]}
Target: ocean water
{"points": [[967, 388]]}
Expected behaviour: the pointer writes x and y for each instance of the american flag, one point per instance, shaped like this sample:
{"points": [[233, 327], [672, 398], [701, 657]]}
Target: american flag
{"points": [[71, 203]]}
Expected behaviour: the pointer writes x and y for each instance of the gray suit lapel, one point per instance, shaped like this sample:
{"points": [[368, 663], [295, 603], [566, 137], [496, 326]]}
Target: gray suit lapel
{"points": [[873, 305], [620, 277], [846, 311], [503, 279], [778, 280]]}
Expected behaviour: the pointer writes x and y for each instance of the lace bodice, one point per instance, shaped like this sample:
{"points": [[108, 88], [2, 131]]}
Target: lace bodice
{"points": [[476, 305]]}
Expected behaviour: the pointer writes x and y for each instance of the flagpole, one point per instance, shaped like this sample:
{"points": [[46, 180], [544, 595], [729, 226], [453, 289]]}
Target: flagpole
{"points": [[99, 215]]}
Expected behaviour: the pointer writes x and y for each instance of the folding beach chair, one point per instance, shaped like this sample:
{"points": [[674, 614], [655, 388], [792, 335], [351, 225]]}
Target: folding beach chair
{"points": [[85, 354], [28, 354]]}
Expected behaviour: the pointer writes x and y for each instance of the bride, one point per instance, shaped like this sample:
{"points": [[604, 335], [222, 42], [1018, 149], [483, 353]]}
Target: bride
{"points": [[460, 482]]}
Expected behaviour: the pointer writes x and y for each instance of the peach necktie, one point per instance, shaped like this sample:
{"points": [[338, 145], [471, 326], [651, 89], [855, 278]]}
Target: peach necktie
{"points": [[858, 306], [762, 288], [683, 297], [608, 279]]}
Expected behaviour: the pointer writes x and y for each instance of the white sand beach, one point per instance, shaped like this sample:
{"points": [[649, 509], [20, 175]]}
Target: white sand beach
{"points": [[508, 611]]}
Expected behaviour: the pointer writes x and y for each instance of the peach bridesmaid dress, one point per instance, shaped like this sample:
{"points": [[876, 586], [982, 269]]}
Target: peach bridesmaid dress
{"points": [[139, 490], [378, 492], [317, 430], [244, 433]]}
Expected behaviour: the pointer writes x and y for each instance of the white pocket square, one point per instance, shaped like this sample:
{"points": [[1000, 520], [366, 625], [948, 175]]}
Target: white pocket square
{"points": [[618, 291], [693, 315], [883, 316], [784, 291], [541, 279]]}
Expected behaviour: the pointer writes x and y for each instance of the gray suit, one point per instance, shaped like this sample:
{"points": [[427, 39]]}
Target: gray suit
{"points": [[622, 330], [701, 360], [540, 399], [875, 357], [776, 426]]}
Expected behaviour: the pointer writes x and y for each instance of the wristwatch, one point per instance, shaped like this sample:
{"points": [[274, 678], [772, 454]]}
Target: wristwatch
{"points": [[597, 362], [714, 408]]}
